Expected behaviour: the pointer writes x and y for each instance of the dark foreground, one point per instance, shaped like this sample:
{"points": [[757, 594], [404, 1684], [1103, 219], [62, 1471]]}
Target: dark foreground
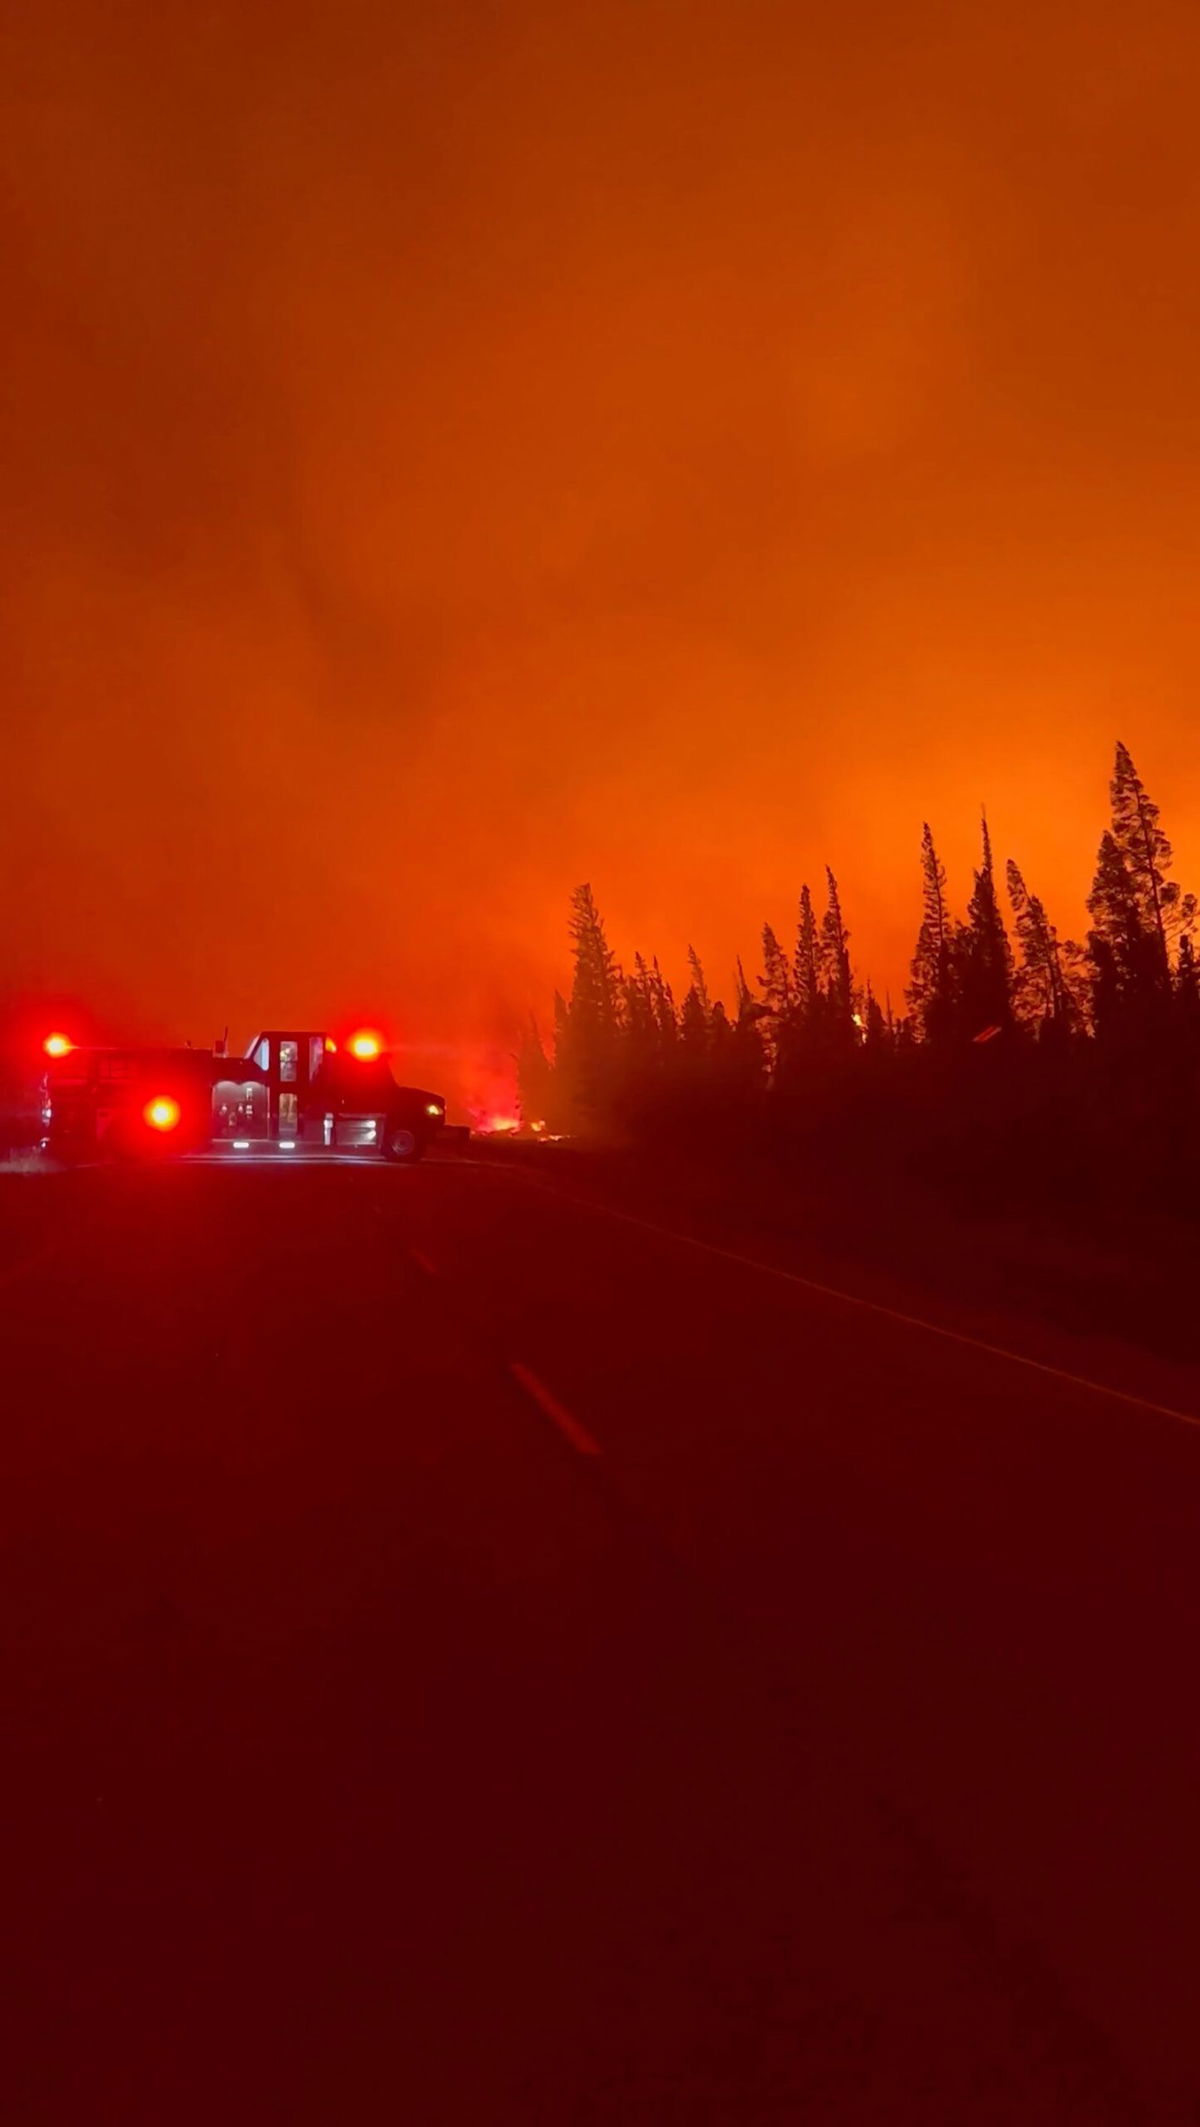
{"points": [[471, 1658]]}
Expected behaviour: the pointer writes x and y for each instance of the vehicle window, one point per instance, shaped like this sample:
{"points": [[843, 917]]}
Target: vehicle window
{"points": [[316, 1052], [289, 1059], [262, 1054]]}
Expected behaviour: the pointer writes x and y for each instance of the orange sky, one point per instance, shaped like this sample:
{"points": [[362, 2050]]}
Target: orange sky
{"points": [[454, 452]]}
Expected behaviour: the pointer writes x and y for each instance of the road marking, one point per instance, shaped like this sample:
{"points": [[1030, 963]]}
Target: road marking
{"points": [[417, 1256], [872, 1307], [578, 1435]]}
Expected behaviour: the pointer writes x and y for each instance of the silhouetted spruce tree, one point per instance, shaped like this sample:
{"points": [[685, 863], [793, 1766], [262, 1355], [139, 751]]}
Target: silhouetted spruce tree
{"points": [[1043, 993], [565, 1090], [987, 968], [664, 1007], [807, 965], [837, 987], [594, 1021], [693, 1028], [748, 1057], [720, 1041], [751, 1015], [808, 1001], [876, 1033], [1125, 948], [536, 1090], [933, 991], [1164, 911], [644, 1045], [775, 983], [699, 985], [639, 1020]]}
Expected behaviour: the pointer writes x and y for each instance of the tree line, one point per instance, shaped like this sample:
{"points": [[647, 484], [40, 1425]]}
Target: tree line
{"points": [[998, 1005]]}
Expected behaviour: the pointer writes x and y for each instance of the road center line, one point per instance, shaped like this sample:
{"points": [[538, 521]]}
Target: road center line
{"points": [[871, 1307], [578, 1435]]}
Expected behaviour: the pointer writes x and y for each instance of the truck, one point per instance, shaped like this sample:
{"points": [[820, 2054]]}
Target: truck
{"points": [[294, 1092]]}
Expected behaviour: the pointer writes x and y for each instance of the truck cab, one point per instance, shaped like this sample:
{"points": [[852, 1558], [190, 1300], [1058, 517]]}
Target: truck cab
{"points": [[298, 1090]]}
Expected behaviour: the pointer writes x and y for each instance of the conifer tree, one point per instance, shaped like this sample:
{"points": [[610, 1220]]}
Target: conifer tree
{"points": [[1124, 944], [1041, 970], [1045, 988], [693, 1026], [640, 1026], [594, 1019], [987, 975], [748, 1007], [535, 1077], [775, 981], [836, 979], [566, 1091], [933, 986], [665, 1016], [876, 1032], [1148, 858], [807, 967]]}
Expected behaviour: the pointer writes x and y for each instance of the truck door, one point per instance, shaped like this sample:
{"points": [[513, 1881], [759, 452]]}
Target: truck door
{"points": [[286, 1078], [291, 1062]]}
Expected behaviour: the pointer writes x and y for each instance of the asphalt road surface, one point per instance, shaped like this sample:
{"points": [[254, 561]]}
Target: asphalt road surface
{"points": [[469, 1657]]}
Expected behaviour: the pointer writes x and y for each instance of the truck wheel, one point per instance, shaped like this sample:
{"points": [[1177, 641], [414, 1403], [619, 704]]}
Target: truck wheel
{"points": [[402, 1144]]}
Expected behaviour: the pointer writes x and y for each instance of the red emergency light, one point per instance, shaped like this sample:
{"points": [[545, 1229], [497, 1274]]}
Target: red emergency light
{"points": [[364, 1046], [162, 1113], [57, 1045]]}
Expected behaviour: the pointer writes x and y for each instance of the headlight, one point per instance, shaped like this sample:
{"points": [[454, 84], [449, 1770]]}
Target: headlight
{"points": [[434, 1107]]}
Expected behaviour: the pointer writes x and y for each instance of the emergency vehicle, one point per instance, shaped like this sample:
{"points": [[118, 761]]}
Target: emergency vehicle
{"points": [[291, 1093]]}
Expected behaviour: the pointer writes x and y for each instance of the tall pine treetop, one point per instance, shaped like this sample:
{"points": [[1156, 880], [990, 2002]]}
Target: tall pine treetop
{"points": [[1164, 912], [699, 985], [596, 984], [933, 891], [808, 960], [835, 958], [986, 954]]}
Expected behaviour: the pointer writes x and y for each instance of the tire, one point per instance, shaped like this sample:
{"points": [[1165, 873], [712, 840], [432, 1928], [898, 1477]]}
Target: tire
{"points": [[401, 1145]]}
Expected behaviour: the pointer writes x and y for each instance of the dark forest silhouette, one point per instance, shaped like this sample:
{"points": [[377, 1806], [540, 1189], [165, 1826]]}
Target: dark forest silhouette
{"points": [[1021, 1062]]}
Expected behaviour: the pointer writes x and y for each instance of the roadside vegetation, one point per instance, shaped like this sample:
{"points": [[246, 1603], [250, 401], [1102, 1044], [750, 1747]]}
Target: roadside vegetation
{"points": [[1024, 1067]]}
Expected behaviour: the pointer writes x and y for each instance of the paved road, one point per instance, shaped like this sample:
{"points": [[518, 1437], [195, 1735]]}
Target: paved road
{"points": [[470, 1658]]}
